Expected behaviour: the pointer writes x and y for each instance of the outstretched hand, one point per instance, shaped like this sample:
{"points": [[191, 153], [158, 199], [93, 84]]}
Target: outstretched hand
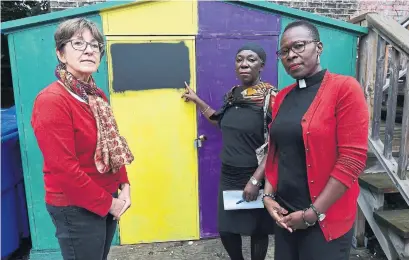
{"points": [[189, 94]]}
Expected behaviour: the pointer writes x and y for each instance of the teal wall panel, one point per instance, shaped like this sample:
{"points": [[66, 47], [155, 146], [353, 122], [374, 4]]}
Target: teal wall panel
{"points": [[339, 55], [33, 60]]}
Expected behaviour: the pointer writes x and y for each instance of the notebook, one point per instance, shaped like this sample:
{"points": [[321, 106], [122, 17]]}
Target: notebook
{"points": [[231, 197]]}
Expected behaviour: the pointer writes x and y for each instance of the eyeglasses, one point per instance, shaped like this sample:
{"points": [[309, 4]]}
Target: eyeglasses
{"points": [[81, 45], [297, 47]]}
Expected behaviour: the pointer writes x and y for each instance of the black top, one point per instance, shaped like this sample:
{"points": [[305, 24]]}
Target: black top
{"points": [[242, 133], [286, 133]]}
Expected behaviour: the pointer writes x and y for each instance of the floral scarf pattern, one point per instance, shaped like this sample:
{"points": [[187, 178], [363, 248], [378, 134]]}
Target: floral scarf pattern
{"points": [[112, 151], [253, 95]]}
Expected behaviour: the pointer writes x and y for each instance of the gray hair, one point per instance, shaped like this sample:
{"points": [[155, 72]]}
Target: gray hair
{"points": [[69, 28]]}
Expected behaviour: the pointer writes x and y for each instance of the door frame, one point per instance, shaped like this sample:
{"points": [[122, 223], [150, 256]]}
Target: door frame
{"points": [[192, 56]]}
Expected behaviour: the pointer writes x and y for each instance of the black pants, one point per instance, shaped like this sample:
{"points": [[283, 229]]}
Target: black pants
{"points": [[310, 244], [233, 245], [82, 235]]}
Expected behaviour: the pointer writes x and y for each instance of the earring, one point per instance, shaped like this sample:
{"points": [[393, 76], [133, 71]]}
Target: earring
{"points": [[318, 59]]}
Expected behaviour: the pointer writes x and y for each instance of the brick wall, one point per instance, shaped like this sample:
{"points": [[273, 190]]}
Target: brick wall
{"points": [[339, 9], [396, 9], [347, 9], [57, 5]]}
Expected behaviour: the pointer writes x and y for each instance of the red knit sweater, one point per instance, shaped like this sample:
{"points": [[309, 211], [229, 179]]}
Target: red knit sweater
{"points": [[335, 133], [67, 135]]}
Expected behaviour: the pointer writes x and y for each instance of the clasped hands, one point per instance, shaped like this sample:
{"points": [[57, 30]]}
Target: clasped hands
{"points": [[290, 222], [122, 203]]}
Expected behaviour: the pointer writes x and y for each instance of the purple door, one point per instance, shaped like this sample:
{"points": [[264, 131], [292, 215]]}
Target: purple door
{"points": [[215, 76]]}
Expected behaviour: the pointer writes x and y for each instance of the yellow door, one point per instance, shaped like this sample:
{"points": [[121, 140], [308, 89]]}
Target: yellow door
{"points": [[146, 81]]}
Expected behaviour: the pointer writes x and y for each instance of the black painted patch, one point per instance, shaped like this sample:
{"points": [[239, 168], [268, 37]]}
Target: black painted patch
{"points": [[145, 66]]}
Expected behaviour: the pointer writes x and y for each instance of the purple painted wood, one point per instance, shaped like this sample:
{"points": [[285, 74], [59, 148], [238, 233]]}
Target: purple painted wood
{"points": [[230, 18], [224, 28]]}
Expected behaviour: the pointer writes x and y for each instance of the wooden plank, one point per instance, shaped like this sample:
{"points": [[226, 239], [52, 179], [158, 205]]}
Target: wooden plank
{"points": [[377, 182], [180, 207], [360, 19], [25, 23], [30, 189], [390, 29], [397, 131], [367, 70], [397, 220], [359, 229], [395, 142], [297, 14], [368, 202], [391, 167], [385, 68], [363, 60], [391, 106], [401, 74], [404, 143], [128, 20], [378, 93]]}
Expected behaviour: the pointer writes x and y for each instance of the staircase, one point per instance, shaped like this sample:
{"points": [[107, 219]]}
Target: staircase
{"points": [[384, 198]]}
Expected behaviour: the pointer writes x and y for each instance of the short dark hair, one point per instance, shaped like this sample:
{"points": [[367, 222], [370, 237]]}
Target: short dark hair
{"points": [[309, 26]]}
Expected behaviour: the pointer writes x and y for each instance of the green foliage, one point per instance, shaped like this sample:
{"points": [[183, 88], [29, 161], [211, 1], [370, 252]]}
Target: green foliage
{"points": [[12, 10]]}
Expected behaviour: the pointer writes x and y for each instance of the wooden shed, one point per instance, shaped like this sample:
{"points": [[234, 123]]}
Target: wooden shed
{"points": [[152, 48]]}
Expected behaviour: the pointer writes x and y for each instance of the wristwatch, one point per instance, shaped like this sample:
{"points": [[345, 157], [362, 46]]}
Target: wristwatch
{"points": [[320, 216], [255, 182]]}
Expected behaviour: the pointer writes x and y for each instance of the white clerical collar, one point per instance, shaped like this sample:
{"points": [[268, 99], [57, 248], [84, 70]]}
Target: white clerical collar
{"points": [[301, 83]]}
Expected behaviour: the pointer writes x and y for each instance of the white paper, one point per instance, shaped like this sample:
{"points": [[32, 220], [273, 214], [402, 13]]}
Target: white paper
{"points": [[231, 197]]}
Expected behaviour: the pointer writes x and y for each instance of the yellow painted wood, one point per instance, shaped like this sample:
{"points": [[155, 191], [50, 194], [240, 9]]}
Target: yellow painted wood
{"points": [[160, 129], [172, 17]]}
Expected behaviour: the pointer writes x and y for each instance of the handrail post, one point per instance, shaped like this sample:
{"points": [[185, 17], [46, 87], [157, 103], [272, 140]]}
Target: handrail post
{"points": [[378, 93], [391, 106], [404, 144]]}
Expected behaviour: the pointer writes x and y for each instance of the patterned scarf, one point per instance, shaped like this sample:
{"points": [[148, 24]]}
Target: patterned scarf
{"points": [[112, 151], [252, 95]]}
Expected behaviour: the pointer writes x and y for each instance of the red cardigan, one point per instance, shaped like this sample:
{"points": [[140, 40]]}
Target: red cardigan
{"points": [[335, 133], [66, 134]]}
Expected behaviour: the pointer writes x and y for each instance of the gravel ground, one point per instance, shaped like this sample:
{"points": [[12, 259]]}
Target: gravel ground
{"points": [[206, 249]]}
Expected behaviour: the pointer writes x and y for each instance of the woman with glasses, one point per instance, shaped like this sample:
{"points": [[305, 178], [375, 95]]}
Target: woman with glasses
{"points": [[317, 149], [84, 154]]}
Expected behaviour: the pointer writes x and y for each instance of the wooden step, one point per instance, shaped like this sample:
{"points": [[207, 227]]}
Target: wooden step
{"points": [[397, 220], [377, 182]]}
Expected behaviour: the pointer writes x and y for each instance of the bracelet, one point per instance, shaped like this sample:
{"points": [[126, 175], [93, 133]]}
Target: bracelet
{"points": [[205, 110], [267, 195], [305, 221]]}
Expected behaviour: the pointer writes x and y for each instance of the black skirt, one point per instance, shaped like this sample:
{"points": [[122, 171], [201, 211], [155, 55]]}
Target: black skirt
{"points": [[246, 222]]}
